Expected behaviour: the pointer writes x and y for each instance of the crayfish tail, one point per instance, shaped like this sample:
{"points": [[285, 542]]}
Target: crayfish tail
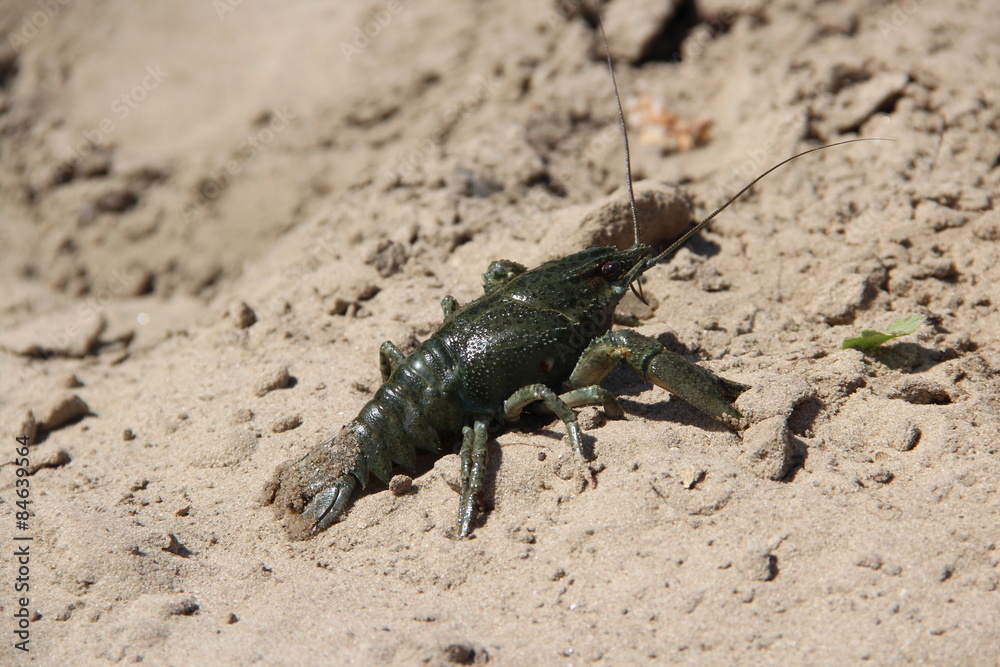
{"points": [[310, 493]]}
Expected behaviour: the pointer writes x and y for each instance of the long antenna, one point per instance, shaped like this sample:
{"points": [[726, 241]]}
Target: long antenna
{"points": [[621, 118], [694, 230]]}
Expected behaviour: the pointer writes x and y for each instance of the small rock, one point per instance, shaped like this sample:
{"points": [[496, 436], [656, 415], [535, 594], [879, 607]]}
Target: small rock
{"points": [[459, 654], [242, 314], [895, 433], [48, 458], [769, 448], [870, 560], [634, 27], [286, 423], [241, 416], [185, 607], [776, 398], [938, 217], [880, 477], [855, 104], [665, 208], [691, 476], [274, 378], [28, 428], [60, 412], [387, 258], [590, 418], [400, 484], [128, 434], [987, 226], [760, 565], [175, 547], [117, 200], [73, 334]]}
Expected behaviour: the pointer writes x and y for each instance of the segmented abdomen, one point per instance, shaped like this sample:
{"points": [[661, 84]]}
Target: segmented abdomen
{"points": [[408, 412]]}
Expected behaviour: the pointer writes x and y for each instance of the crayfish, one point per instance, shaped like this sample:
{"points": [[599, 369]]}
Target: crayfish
{"points": [[538, 337]]}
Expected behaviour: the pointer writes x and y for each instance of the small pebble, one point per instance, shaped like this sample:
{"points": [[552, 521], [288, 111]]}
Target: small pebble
{"points": [[590, 418], [460, 654], [400, 484], [902, 435], [286, 423], [175, 547], [241, 416], [48, 458], [872, 561], [760, 565], [881, 477], [62, 411], [769, 448], [29, 427], [691, 476], [275, 378], [242, 314]]}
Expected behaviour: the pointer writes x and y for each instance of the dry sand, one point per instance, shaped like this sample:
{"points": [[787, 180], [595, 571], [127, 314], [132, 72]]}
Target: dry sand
{"points": [[212, 214]]}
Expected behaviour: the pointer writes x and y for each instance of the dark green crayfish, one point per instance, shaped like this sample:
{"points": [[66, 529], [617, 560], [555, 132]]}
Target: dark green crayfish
{"points": [[540, 336]]}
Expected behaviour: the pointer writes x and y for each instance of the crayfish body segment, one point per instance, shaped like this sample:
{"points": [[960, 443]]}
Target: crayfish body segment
{"points": [[540, 336]]}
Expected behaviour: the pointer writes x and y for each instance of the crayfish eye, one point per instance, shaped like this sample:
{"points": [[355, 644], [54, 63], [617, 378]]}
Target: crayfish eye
{"points": [[610, 269]]}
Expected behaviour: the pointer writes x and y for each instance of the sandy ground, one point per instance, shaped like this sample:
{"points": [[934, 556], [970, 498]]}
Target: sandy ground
{"points": [[212, 214]]}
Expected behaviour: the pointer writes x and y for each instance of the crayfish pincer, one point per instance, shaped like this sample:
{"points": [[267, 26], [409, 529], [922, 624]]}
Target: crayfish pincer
{"points": [[540, 336]]}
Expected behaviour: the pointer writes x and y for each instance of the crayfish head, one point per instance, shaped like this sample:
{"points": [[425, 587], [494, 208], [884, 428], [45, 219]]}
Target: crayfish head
{"points": [[584, 286], [624, 269]]}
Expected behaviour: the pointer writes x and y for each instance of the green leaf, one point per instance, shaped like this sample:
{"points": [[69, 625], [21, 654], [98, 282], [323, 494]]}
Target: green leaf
{"points": [[870, 338], [906, 326]]}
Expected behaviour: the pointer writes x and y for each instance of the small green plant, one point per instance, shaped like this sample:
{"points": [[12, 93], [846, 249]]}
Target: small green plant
{"points": [[870, 338]]}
